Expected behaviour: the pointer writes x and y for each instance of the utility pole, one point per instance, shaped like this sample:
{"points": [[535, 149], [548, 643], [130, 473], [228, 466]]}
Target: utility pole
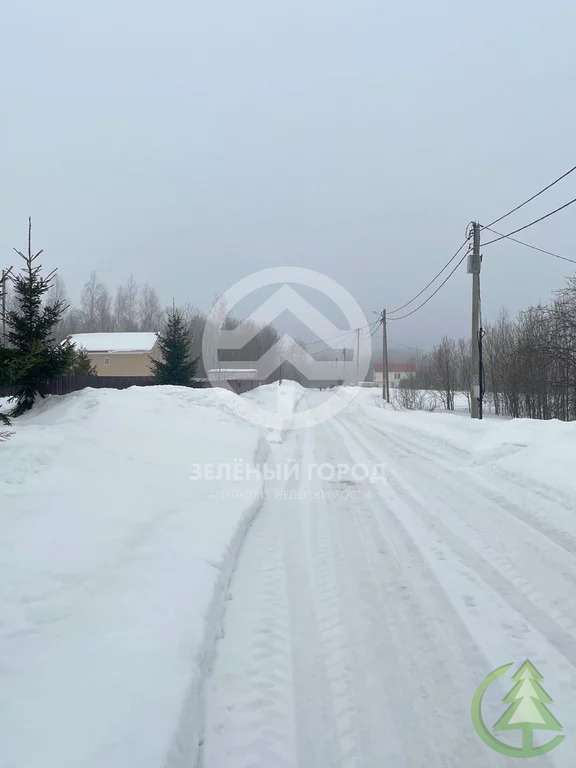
{"points": [[385, 382], [5, 274], [474, 262], [357, 356]]}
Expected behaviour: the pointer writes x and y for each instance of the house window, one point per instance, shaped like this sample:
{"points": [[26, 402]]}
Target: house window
{"points": [[106, 361], [397, 376]]}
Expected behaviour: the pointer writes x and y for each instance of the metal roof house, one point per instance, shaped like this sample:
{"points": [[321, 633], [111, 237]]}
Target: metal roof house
{"points": [[119, 354], [397, 372]]}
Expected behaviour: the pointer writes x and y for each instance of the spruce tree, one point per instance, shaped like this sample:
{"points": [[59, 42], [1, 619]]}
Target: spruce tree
{"points": [[81, 363], [7, 361], [31, 328], [177, 366], [7, 370]]}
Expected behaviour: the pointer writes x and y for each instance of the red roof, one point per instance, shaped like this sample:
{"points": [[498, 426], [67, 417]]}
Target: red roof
{"points": [[397, 368]]}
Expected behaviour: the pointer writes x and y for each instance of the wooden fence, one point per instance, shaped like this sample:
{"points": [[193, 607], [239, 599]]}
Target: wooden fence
{"points": [[63, 385]]}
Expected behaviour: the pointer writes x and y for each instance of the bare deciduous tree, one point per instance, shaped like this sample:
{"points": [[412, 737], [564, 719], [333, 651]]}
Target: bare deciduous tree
{"points": [[150, 313], [126, 306], [444, 365], [89, 302]]}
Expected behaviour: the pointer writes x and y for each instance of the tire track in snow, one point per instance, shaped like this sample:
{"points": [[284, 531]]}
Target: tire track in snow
{"points": [[335, 638], [249, 699], [416, 661], [517, 565], [345, 645], [554, 496], [186, 745], [552, 624], [540, 539], [278, 710]]}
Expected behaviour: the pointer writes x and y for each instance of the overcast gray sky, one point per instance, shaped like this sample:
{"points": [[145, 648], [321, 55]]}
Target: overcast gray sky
{"points": [[193, 143]]}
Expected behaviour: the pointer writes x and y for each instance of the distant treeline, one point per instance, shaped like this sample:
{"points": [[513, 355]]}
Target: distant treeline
{"points": [[135, 307], [529, 362]]}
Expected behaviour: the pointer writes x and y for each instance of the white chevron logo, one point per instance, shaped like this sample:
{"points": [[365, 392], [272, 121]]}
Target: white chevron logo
{"points": [[219, 339]]}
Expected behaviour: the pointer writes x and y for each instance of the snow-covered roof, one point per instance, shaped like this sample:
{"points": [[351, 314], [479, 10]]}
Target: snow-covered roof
{"points": [[114, 342]]}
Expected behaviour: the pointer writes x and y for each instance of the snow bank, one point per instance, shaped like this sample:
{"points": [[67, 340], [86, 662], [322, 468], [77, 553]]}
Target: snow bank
{"points": [[114, 566], [6, 405], [272, 407], [532, 450], [541, 451]]}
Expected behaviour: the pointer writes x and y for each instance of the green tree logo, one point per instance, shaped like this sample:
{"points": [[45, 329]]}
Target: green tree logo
{"points": [[527, 712], [527, 709]]}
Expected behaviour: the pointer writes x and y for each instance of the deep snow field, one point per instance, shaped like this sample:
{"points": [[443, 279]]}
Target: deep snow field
{"points": [[113, 562]]}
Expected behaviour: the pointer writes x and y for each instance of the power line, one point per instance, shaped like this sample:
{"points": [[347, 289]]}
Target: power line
{"points": [[500, 237], [536, 221], [328, 349], [375, 325], [487, 226], [529, 245], [430, 283], [442, 284], [344, 335], [407, 346], [375, 330]]}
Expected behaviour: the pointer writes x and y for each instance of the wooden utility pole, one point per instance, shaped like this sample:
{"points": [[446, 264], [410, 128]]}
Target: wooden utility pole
{"points": [[385, 382], [474, 262]]}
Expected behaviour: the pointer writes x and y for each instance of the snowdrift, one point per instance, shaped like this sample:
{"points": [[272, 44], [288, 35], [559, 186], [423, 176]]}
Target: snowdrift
{"points": [[114, 565], [542, 452]]}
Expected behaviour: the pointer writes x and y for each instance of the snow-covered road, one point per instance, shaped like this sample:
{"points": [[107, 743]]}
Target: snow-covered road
{"points": [[156, 611], [364, 614]]}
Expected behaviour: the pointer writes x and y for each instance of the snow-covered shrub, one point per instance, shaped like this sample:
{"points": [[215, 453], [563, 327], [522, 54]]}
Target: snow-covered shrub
{"points": [[406, 398]]}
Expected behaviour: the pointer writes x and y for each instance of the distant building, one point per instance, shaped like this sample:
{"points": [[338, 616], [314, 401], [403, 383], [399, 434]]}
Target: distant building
{"points": [[119, 354], [239, 379], [397, 372]]}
